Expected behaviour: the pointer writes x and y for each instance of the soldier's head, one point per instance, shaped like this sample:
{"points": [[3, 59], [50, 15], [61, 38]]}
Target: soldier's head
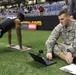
{"points": [[64, 17], [20, 16]]}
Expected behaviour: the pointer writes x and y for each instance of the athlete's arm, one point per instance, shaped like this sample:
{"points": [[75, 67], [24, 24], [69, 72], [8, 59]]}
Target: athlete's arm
{"points": [[9, 37], [18, 31]]}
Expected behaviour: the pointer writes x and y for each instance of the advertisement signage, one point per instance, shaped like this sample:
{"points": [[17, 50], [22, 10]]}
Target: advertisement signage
{"points": [[31, 26]]}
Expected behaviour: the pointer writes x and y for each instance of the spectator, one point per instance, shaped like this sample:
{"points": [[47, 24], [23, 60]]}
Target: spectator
{"points": [[65, 6], [41, 9]]}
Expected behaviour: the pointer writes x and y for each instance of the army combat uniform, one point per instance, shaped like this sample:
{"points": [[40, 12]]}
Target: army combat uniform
{"points": [[68, 35]]}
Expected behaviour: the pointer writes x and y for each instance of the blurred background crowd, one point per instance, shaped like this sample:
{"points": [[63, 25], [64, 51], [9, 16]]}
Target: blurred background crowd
{"points": [[35, 9]]}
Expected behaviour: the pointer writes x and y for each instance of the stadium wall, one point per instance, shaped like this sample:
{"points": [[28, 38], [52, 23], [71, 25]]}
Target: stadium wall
{"points": [[43, 22]]}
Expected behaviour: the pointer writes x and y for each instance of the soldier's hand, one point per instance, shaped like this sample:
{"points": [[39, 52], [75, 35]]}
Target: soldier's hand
{"points": [[49, 56], [69, 58]]}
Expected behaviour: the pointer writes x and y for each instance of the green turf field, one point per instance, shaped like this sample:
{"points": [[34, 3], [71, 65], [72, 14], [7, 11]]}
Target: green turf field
{"points": [[13, 62]]}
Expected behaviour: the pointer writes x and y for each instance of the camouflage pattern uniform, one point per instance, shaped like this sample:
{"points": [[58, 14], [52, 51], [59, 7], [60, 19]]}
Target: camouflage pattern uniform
{"points": [[68, 35]]}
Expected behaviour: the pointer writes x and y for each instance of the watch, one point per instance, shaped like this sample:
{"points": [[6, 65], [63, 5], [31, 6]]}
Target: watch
{"points": [[68, 50]]}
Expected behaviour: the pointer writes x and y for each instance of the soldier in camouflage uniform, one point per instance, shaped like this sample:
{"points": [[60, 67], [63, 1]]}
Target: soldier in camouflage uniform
{"points": [[67, 30]]}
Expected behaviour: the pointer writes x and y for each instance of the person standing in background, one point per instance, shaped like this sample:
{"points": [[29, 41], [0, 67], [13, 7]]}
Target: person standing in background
{"points": [[73, 8]]}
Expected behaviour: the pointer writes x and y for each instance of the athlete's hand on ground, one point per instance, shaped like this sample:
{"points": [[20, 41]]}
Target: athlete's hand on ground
{"points": [[23, 48], [49, 56], [10, 45]]}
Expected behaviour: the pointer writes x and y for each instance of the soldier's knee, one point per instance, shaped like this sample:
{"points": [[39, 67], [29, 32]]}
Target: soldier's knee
{"points": [[56, 49]]}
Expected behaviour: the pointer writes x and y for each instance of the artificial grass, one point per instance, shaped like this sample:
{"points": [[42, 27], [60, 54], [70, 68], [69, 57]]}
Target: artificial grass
{"points": [[13, 62]]}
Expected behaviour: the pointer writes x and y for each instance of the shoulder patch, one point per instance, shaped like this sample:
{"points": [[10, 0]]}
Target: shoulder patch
{"points": [[57, 29]]}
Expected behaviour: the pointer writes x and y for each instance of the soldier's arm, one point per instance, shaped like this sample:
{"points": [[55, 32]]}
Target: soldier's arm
{"points": [[52, 38], [72, 47]]}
